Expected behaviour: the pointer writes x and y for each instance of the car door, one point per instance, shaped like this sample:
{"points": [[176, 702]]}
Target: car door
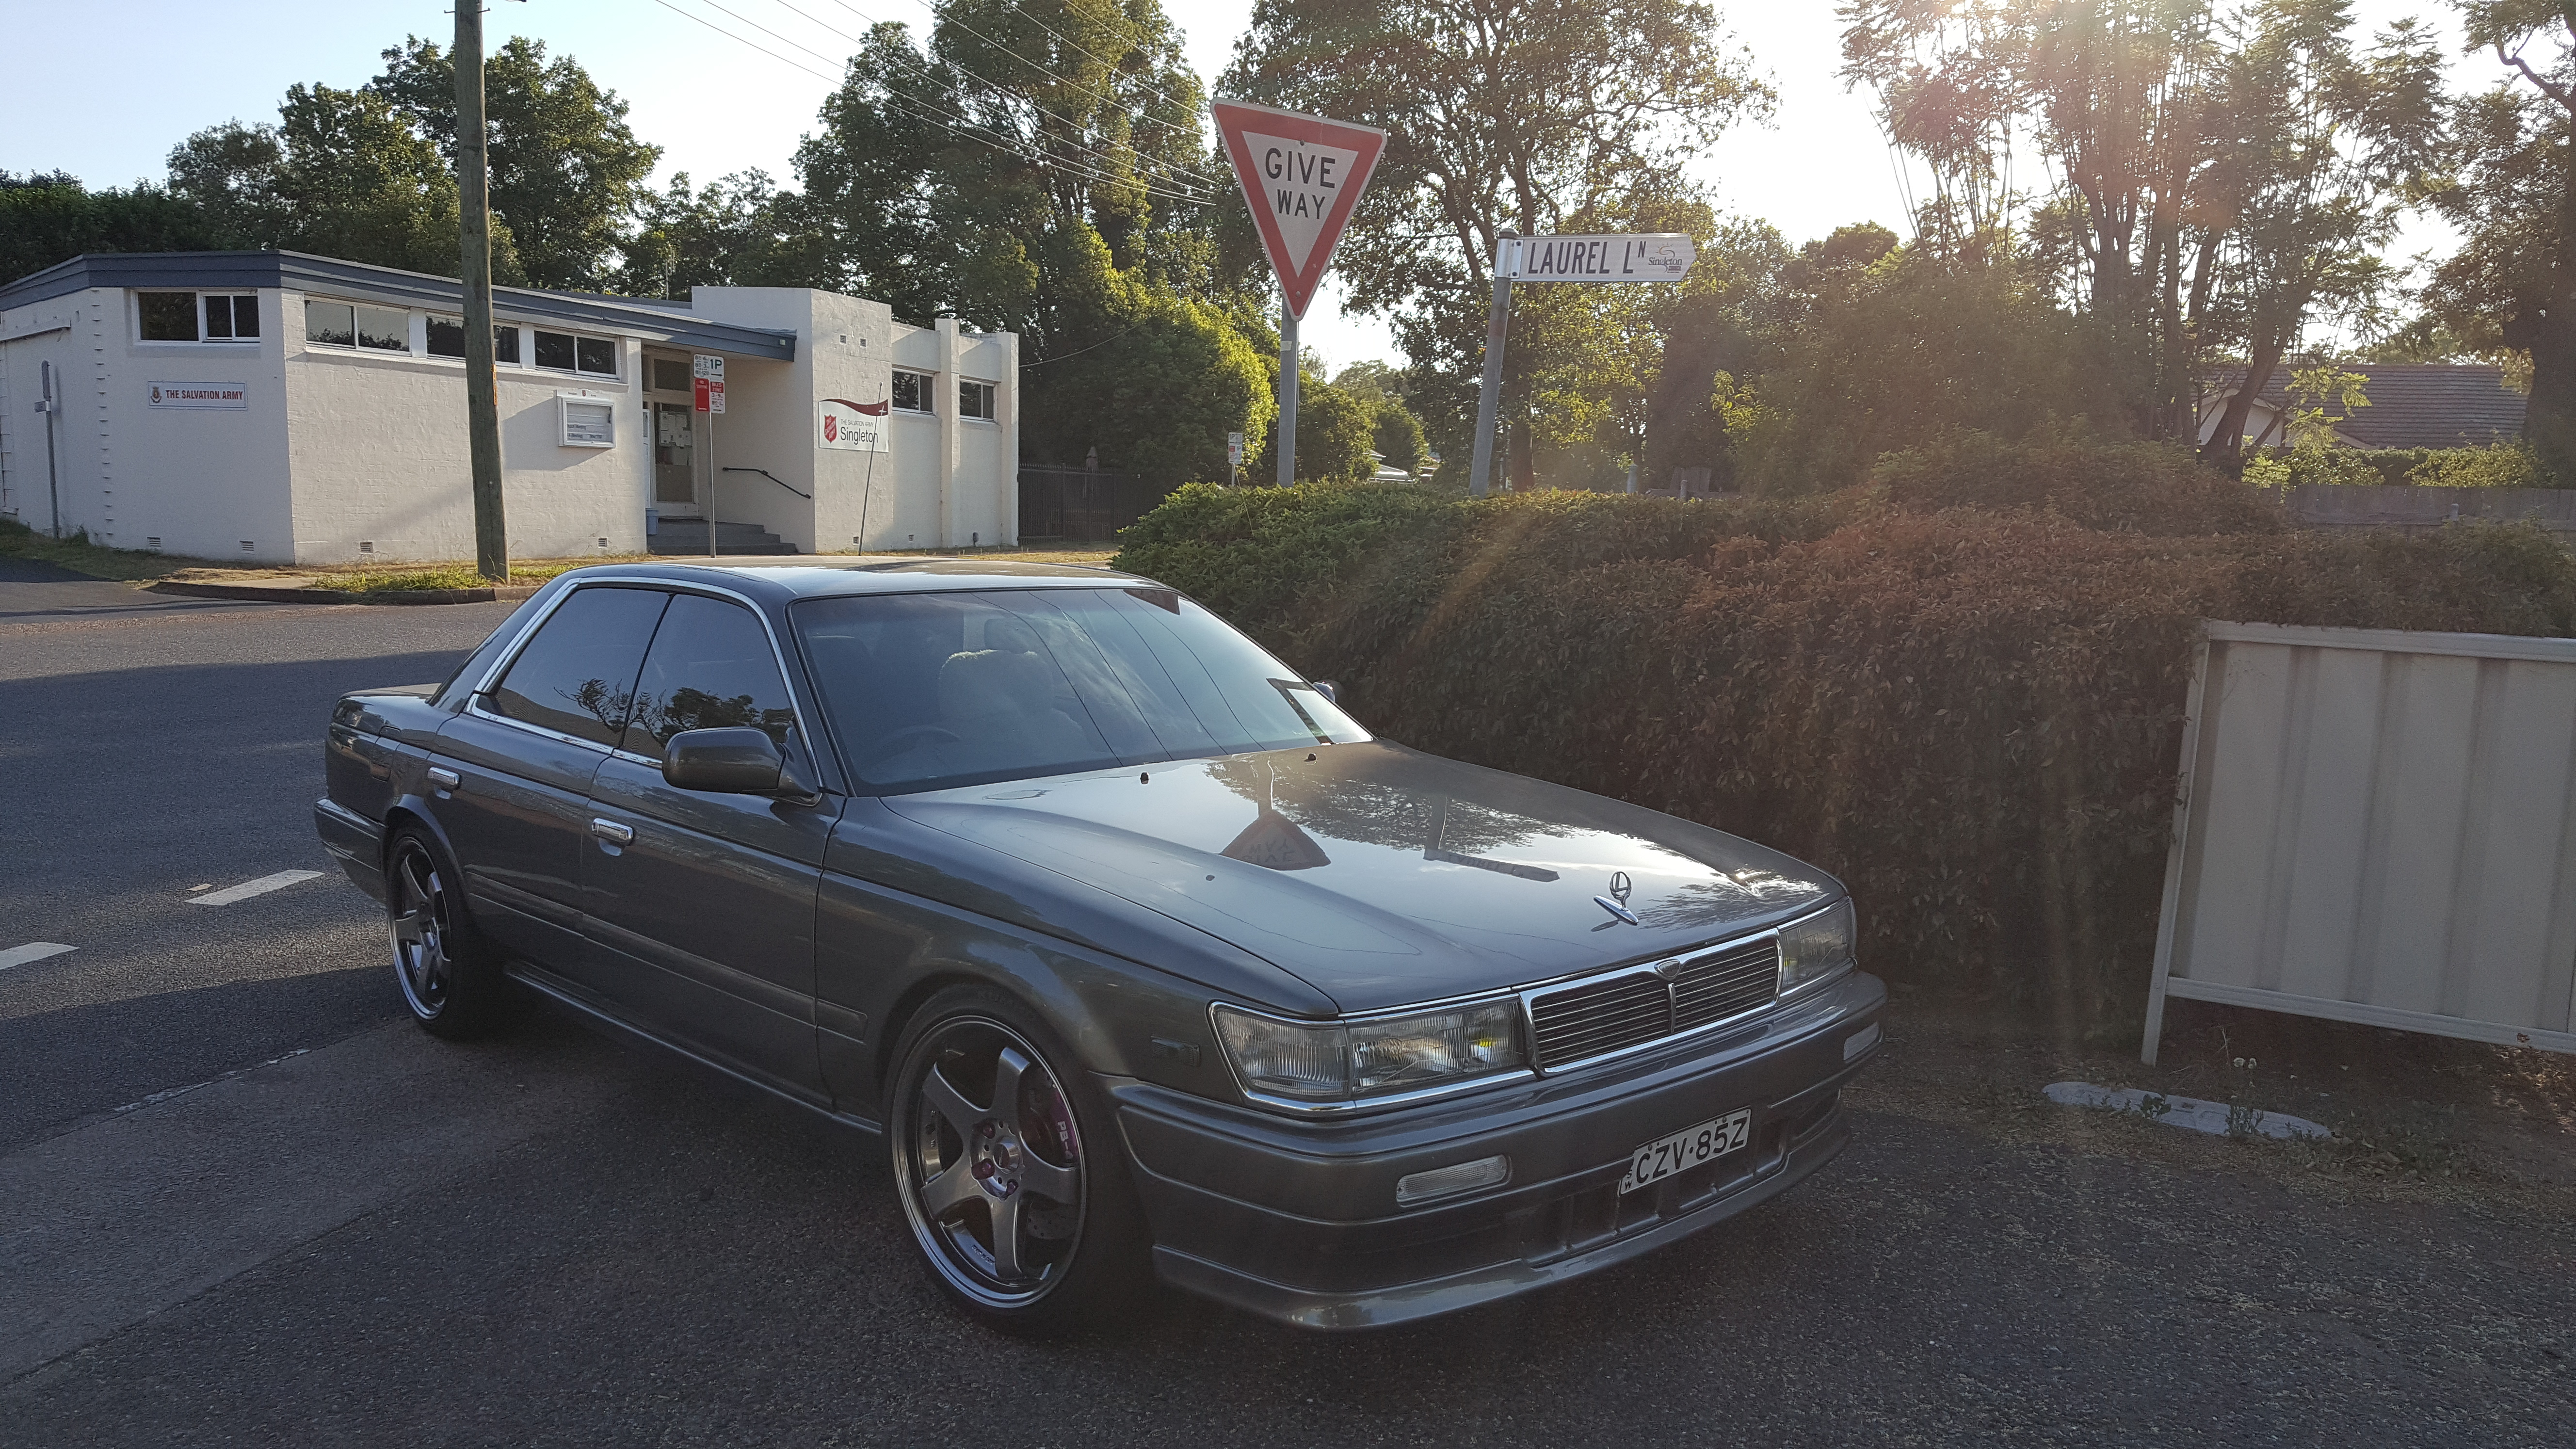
{"points": [[699, 907], [511, 772]]}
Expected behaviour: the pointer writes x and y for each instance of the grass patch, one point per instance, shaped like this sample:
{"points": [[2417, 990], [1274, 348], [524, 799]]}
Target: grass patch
{"points": [[443, 576], [76, 553]]}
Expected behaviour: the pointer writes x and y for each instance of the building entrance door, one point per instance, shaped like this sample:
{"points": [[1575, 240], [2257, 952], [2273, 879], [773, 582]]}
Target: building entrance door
{"points": [[675, 455]]}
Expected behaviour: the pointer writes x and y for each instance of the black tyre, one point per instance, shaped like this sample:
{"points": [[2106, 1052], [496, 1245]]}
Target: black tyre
{"points": [[450, 976], [1010, 1169]]}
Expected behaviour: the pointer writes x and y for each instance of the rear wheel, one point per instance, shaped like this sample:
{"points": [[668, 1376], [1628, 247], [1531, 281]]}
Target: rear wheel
{"points": [[1010, 1170], [450, 978]]}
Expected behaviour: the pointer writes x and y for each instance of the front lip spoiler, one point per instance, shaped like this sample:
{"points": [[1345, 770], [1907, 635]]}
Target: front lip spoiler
{"points": [[1410, 1302]]}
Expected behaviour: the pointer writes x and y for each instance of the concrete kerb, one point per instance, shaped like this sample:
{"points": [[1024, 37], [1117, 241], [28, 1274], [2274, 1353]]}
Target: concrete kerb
{"points": [[256, 593]]}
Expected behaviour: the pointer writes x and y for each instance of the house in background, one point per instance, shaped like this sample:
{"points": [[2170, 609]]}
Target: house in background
{"points": [[2412, 405], [286, 408]]}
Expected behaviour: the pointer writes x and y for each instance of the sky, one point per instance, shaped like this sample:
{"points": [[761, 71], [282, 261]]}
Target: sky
{"points": [[716, 105]]}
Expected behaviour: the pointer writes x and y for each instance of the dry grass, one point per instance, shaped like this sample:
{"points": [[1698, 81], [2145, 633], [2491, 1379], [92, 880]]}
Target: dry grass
{"points": [[2413, 1116]]}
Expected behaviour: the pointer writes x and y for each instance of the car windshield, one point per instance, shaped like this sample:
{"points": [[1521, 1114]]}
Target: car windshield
{"points": [[926, 691]]}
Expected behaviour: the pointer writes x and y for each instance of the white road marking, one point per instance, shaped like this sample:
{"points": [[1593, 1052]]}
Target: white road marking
{"points": [[249, 888], [32, 951]]}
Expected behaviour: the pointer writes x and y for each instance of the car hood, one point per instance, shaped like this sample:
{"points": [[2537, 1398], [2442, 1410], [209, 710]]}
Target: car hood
{"points": [[1383, 876]]}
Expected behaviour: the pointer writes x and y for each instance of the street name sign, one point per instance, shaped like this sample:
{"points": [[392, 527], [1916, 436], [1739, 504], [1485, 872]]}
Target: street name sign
{"points": [[1302, 175], [1653, 257]]}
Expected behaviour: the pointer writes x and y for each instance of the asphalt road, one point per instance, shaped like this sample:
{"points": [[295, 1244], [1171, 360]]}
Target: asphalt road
{"points": [[242, 1202]]}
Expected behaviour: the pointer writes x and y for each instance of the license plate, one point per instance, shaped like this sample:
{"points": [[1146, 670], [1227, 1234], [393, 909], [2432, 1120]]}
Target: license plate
{"points": [[1687, 1148]]}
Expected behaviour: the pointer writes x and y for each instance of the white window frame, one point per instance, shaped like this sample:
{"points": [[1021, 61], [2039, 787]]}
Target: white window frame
{"points": [[413, 330], [992, 400], [929, 393], [616, 346], [196, 317]]}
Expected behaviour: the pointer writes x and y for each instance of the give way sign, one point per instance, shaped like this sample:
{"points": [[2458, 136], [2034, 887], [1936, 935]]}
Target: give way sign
{"points": [[1302, 174]]}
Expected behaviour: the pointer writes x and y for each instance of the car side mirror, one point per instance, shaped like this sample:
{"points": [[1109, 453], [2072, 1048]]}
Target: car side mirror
{"points": [[1328, 689], [736, 760]]}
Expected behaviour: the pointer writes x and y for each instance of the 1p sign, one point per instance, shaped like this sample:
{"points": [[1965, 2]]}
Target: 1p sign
{"points": [[1302, 174], [707, 381]]}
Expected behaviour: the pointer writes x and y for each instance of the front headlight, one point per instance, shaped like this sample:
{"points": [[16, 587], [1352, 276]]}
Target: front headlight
{"points": [[1817, 948], [1333, 1061]]}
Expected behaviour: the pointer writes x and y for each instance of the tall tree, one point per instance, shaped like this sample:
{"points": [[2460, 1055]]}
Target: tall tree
{"points": [[1500, 114], [2513, 198], [2325, 140], [49, 217], [567, 171], [1038, 165]]}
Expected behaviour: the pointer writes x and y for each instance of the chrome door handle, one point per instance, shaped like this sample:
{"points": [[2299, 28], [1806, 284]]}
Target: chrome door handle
{"points": [[443, 778], [611, 831]]}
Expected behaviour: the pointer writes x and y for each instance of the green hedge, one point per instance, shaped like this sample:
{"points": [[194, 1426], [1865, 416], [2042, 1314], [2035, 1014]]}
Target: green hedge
{"points": [[1970, 714]]}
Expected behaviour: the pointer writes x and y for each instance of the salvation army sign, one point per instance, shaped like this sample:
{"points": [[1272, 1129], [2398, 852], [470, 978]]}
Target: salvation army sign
{"points": [[1303, 175], [223, 396], [852, 427]]}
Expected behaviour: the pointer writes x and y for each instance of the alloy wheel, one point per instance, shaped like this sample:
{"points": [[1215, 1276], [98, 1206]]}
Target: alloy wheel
{"points": [[420, 926], [991, 1164]]}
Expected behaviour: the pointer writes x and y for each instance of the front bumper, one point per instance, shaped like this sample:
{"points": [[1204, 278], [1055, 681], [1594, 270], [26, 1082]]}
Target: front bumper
{"points": [[1297, 1221]]}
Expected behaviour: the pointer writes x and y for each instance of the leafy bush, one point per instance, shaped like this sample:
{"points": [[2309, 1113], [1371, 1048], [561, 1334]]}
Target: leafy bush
{"points": [[2506, 465], [2129, 487], [1972, 716]]}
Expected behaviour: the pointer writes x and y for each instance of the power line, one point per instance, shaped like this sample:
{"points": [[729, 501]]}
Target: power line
{"points": [[1192, 131], [1191, 173], [955, 124]]}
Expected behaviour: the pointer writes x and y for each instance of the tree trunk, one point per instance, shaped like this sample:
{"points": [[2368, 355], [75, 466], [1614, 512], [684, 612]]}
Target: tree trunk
{"points": [[2550, 425], [2225, 449]]}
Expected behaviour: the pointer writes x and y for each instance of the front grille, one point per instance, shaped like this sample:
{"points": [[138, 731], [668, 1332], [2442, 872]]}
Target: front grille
{"points": [[1600, 1016], [1611, 1013], [1726, 983]]}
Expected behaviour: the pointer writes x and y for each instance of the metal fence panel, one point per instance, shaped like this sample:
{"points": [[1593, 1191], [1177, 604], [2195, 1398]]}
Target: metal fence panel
{"points": [[1080, 504], [2377, 826]]}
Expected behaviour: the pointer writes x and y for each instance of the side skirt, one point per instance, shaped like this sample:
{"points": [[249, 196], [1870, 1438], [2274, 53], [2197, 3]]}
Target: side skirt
{"points": [[563, 995]]}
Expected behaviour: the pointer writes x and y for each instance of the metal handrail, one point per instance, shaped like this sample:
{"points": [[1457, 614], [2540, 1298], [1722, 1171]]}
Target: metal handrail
{"points": [[774, 478]]}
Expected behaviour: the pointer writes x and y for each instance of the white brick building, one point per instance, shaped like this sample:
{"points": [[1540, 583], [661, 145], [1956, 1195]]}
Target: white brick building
{"points": [[299, 409]]}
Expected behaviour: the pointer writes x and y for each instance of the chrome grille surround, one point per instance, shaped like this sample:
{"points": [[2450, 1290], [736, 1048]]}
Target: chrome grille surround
{"points": [[1638, 1006]]}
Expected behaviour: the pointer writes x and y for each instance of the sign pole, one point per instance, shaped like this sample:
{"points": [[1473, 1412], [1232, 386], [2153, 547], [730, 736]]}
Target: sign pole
{"points": [[1287, 393], [1498, 324], [482, 402]]}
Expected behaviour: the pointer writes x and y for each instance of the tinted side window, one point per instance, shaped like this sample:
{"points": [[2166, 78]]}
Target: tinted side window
{"points": [[710, 666], [578, 675]]}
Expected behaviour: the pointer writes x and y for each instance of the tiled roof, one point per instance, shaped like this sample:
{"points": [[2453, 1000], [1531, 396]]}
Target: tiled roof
{"points": [[2417, 404]]}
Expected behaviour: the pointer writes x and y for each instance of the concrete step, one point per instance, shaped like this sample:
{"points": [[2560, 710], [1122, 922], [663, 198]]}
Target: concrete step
{"points": [[680, 536]]}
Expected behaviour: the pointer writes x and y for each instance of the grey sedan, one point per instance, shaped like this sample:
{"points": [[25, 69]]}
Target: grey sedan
{"points": [[1142, 957]]}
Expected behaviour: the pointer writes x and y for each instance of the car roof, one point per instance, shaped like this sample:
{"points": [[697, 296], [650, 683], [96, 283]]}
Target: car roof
{"points": [[786, 582]]}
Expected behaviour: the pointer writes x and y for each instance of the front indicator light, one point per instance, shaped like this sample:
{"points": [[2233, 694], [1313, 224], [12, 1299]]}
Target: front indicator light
{"points": [[1335, 1061], [1440, 1182]]}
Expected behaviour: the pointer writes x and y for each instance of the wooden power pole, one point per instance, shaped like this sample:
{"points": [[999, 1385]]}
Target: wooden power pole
{"points": [[482, 403]]}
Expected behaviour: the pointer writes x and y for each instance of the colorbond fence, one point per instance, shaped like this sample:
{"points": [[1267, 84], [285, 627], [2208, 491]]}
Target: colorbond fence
{"points": [[2379, 827]]}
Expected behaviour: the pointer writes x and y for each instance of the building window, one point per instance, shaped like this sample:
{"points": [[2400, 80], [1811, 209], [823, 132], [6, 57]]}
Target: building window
{"points": [[670, 374], [447, 339], [352, 324], [231, 318], [562, 351], [975, 400], [911, 391], [176, 316]]}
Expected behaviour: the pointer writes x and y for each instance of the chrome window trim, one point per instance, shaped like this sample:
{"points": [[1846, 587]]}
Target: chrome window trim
{"points": [[510, 656]]}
